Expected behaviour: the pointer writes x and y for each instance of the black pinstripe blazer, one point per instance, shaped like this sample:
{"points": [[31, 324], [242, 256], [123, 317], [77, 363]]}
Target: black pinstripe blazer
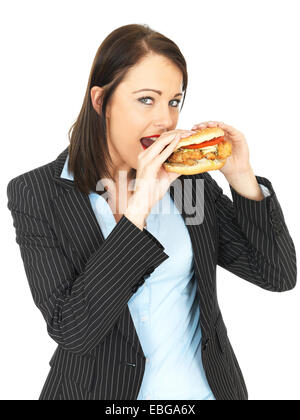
{"points": [[82, 282]]}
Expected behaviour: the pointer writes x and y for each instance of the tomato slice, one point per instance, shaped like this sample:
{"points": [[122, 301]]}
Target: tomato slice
{"points": [[204, 144]]}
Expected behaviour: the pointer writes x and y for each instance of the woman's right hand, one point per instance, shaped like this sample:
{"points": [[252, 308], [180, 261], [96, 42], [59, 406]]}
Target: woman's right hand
{"points": [[152, 180]]}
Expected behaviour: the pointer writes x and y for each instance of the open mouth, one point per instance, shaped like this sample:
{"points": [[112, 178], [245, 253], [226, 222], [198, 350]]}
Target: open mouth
{"points": [[147, 141]]}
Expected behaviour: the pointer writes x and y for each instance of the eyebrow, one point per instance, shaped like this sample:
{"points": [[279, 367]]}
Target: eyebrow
{"points": [[157, 91]]}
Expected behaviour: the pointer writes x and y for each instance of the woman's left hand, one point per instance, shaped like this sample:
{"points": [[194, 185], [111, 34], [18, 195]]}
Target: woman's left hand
{"points": [[238, 162]]}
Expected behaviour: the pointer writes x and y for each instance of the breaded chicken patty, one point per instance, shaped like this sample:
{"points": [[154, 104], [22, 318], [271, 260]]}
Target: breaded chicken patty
{"points": [[187, 156]]}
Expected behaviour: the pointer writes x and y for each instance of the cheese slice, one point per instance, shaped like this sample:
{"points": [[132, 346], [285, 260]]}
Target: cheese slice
{"points": [[209, 149], [204, 150]]}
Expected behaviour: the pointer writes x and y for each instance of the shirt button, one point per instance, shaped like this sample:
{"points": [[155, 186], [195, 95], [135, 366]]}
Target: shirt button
{"points": [[144, 318], [147, 360], [148, 398]]}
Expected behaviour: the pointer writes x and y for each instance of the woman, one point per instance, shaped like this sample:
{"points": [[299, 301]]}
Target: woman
{"points": [[129, 293]]}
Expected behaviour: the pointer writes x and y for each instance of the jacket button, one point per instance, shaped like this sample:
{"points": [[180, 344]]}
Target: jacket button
{"points": [[130, 364], [134, 289]]}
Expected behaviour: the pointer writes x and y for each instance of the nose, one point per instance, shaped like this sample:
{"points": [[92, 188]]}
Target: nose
{"points": [[165, 118]]}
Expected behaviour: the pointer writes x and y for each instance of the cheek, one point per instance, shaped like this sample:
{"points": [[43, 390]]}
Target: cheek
{"points": [[127, 126], [128, 149]]}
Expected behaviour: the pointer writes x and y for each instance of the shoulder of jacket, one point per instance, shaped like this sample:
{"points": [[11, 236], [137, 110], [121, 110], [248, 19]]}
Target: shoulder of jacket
{"points": [[28, 177], [25, 188]]}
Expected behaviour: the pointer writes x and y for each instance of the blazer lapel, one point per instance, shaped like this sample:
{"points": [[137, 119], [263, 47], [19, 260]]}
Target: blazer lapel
{"points": [[76, 216], [78, 223]]}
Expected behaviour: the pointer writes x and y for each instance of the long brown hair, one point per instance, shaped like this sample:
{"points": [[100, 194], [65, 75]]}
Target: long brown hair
{"points": [[89, 157]]}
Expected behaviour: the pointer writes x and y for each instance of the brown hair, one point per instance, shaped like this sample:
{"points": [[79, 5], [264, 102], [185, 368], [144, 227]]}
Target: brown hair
{"points": [[89, 157]]}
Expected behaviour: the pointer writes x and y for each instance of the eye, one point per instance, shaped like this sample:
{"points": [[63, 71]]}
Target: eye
{"points": [[144, 98], [149, 97]]}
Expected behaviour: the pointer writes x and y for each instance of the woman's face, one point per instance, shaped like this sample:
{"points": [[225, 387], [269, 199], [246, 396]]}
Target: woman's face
{"points": [[129, 117]]}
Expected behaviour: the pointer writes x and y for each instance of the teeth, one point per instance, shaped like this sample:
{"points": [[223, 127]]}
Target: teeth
{"points": [[151, 138]]}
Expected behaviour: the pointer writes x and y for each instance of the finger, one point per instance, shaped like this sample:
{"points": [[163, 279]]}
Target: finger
{"points": [[189, 133], [167, 151], [173, 175], [178, 131], [228, 128], [206, 124], [155, 148]]}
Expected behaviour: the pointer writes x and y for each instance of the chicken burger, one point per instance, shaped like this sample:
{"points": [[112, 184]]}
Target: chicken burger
{"points": [[203, 151]]}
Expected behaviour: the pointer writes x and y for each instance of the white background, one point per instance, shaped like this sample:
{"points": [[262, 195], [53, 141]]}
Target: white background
{"points": [[243, 70]]}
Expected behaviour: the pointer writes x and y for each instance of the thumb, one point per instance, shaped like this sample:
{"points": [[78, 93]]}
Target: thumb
{"points": [[173, 176]]}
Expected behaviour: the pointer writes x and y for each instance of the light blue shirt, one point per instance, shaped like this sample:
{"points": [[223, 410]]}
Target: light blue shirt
{"points": [[166, 308]]}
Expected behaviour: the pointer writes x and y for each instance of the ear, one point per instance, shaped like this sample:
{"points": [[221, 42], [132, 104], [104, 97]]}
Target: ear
{"points": [[96, 98]]}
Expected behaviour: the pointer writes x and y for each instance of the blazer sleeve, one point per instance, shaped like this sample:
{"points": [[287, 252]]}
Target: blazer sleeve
{"points": [[254, 241], [80, 310]]}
